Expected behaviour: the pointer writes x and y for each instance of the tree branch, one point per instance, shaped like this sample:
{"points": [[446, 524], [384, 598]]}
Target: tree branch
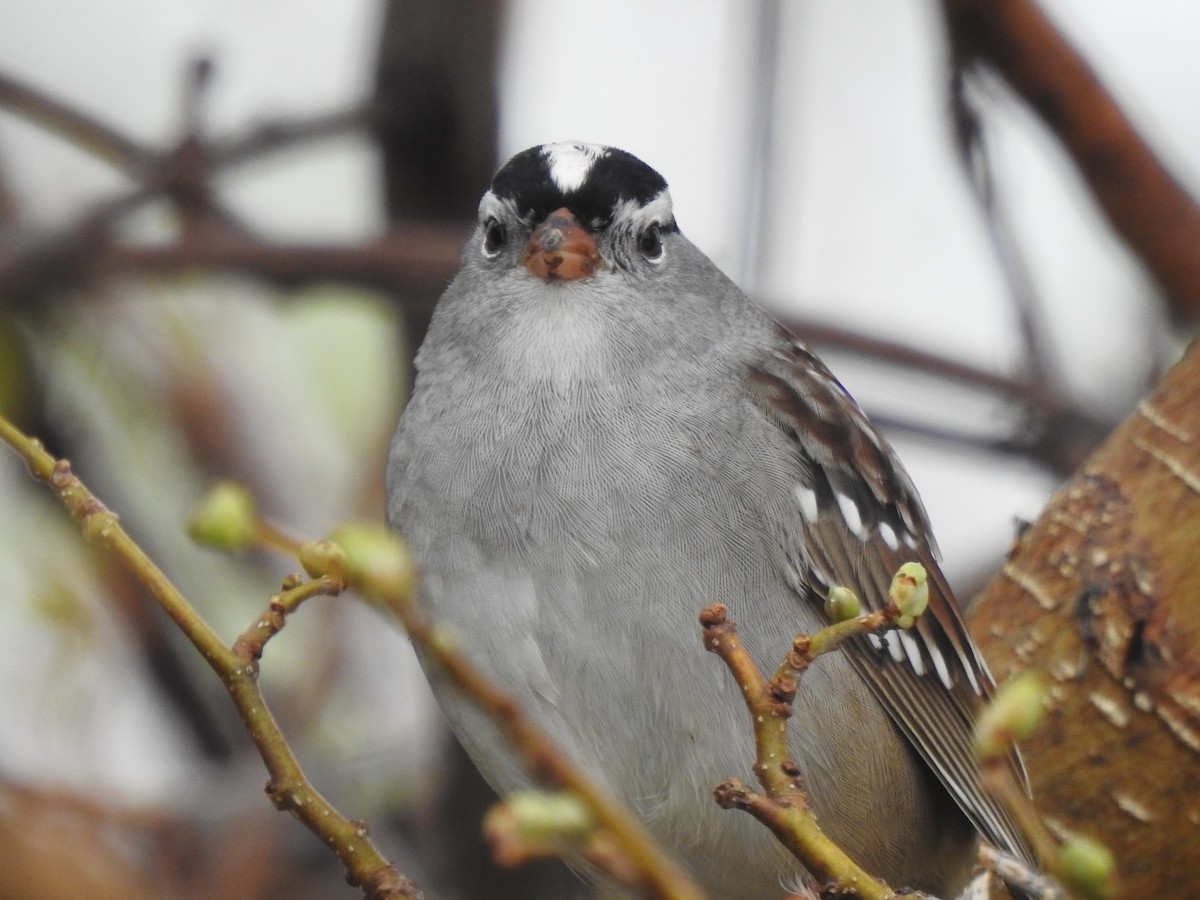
{"points": [[237, 668], [784, 809], [381, 570], [1101, 596], [1143, 203], [78, 128]]}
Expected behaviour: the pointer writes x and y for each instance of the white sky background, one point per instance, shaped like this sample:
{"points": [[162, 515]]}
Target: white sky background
{"points": [[866, 221]]}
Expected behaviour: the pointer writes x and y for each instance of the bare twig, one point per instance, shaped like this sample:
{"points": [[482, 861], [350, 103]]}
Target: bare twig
{"points": [[1143, 203], [657, 874], [282, 134], [784, 809], [78, 128], [237, 668], [1036, 396], [251, 643], [973, 155], [134, 159], [409, 260], [1059, 434]]}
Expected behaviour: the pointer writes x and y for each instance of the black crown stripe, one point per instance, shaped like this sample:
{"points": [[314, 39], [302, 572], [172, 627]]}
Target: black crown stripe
{"points": [[614, 177]]}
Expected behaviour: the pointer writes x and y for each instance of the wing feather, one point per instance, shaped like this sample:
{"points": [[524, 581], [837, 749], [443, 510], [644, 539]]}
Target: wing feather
{"points": [[863, 520]]}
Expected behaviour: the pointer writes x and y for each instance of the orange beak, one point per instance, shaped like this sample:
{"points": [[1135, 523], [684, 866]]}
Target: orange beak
{"points": [[560, 249]]}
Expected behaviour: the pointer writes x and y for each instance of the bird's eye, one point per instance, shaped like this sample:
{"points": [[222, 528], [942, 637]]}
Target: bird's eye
{"points": [[649, 242], [494, 237]]}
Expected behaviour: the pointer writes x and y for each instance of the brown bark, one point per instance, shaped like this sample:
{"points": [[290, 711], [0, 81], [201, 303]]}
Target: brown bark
{"points": [[1102, 596]]}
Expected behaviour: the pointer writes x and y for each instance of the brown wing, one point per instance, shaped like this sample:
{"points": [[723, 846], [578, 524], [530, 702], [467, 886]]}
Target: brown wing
{"points": [[862, 520]]}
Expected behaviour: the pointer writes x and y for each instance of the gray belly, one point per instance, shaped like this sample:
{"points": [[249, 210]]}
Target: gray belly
{"points": [[574, 560]]}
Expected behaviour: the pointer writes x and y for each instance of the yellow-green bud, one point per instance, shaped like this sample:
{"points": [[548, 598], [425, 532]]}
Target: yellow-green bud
{"points": [[377, 561], [541, 816], [1087, 867], [910, 593], [1013, 715], [529, 825], [842, 604], [323, 558], [226, 518]]}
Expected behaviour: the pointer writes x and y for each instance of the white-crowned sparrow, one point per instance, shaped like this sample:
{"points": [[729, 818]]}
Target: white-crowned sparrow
{"points": [[605, 436]]}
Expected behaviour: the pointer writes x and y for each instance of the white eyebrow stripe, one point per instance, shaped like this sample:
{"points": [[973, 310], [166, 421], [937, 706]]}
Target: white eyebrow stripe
{"points": [[657, 209], [491, 206], [570, 162]]}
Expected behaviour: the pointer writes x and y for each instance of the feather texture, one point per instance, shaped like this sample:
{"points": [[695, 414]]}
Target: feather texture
{"points": [[931, 679]]}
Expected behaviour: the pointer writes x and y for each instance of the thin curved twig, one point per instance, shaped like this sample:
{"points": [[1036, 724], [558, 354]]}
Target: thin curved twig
{"points": [[973, 156], [657, 873], [784, 806], [1058, 434], [275, 135], [1144, 204], [80, 129], [237, 668]]}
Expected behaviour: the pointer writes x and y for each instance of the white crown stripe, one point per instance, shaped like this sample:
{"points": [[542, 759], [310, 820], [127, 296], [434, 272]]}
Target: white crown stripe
{"points": [[570, 163]]}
